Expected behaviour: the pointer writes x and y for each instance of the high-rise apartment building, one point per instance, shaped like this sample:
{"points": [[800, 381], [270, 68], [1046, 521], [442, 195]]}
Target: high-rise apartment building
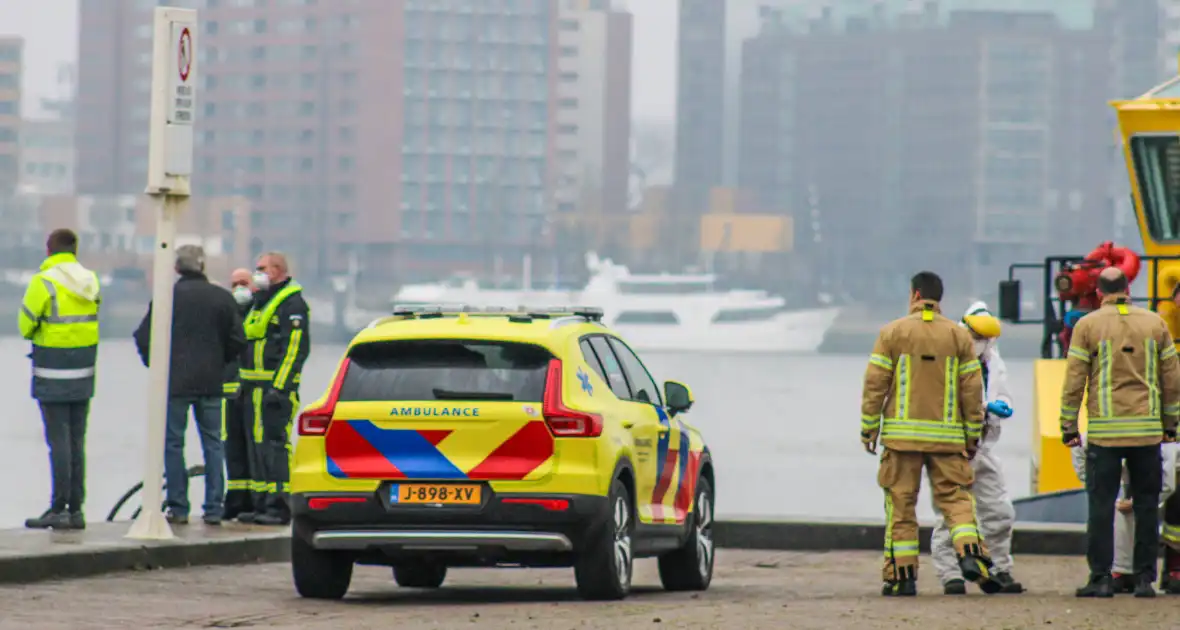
{"points": [[114, 84], [47, 156], [975, 137], [593, 107], [11, 62], [414, 135], [700, 103]]}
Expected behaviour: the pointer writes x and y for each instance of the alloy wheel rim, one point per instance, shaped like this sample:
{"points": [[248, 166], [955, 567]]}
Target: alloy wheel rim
{"points": [[704, 534], [622, 518]]}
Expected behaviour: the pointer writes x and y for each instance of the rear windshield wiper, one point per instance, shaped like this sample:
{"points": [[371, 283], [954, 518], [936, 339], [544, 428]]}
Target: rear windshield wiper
{"points": [[449, 394]]}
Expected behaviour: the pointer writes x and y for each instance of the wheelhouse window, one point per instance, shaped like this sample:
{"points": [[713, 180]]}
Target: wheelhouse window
{"points": [[1157, 169], [647, 317], [737, 315], [685, 287]]}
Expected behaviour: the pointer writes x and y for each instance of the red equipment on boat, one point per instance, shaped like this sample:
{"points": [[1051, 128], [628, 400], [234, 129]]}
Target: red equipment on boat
{"points": [[1078, 282]]}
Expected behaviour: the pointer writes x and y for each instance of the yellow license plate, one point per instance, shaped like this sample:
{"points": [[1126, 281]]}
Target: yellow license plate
{"points": [[440, 494]]}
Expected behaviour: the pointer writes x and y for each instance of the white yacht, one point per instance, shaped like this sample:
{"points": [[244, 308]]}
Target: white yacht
{"points": [[465, 288], [657, 312]]}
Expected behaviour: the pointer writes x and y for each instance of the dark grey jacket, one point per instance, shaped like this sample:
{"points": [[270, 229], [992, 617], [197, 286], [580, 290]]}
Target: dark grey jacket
{"points": [[207, 334]]}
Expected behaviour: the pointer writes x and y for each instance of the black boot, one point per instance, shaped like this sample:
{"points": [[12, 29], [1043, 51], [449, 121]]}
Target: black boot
{"points": [[905, 585], [246, 517], [51, 519], [1007, 584], [954, 587], [276, 510], [976, 567], [237, 502], [1170, 573], [1123, 583], [1144, 587], [77, 520], [270, 518], [1170, 583], [1098, 586]]}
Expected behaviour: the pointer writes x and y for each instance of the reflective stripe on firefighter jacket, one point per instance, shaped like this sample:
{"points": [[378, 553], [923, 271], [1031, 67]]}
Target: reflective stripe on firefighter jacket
{"points": [[1125, 355], [59, 315], [922, 388], [259, 322]]}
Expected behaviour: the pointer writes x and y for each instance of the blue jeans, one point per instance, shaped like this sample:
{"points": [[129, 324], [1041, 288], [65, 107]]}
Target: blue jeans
{"points": [[207, 410]]}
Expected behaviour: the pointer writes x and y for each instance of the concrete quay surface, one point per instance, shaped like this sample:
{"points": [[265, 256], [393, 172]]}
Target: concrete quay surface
{"points": [[751, 589], [29, 556], [33, 555]]}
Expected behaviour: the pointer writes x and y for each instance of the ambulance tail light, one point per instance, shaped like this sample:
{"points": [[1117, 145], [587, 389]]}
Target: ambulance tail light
{"points": [[561, 420], [315, 421]]}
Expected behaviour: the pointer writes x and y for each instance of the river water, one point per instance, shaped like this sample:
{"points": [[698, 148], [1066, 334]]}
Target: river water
{"points": [[783, 431]]}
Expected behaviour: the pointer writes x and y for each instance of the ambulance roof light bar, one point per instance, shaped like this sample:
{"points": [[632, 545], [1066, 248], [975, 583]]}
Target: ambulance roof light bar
{"points": [[591, 313]]}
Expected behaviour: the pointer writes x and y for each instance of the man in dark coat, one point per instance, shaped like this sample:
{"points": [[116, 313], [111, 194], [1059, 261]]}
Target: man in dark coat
{"points": [[207, 334]]}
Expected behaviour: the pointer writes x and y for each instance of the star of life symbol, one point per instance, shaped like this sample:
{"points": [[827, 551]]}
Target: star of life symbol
{"points": [[585, 379]]}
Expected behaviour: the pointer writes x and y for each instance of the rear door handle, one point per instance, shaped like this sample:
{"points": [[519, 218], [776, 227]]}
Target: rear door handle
{"points": [[627, 424]]}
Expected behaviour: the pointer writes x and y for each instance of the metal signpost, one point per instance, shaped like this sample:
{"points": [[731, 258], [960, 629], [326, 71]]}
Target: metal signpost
{"points": [[170, 165]]}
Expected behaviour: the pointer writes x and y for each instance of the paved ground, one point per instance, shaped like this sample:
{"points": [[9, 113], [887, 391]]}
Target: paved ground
{"points": [[751, 590]]}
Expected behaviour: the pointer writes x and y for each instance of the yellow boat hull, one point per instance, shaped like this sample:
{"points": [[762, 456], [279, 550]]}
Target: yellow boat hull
{"points": [[1052, 463]]}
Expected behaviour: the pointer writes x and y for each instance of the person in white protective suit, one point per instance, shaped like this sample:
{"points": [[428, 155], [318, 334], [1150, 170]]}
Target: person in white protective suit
{"points": [[1124, 522], [993, 506]]}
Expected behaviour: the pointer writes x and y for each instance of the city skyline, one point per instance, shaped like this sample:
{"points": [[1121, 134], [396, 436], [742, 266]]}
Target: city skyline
{"points": [[47, 46]]}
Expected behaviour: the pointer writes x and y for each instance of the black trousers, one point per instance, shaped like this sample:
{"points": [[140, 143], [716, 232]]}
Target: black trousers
{"points": [[1171, 536], [274, 422], [241, 457], [1104, 470], [65, 434]]}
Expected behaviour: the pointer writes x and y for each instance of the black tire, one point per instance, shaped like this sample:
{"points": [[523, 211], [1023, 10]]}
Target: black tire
{"points": [[419, 574], [319, 574], [604, 566], [690, 568]]}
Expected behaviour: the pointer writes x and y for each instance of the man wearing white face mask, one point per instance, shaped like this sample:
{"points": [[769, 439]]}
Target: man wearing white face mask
{"points": [[242, 466], [278, 342], [993, 506]]}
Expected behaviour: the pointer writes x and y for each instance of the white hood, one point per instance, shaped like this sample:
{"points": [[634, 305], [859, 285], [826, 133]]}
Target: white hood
{"points": [[977, 308], [76, 279]]}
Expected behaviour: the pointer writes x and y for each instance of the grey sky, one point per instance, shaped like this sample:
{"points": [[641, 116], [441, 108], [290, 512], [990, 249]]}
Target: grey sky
{"points": [[50, 29]]}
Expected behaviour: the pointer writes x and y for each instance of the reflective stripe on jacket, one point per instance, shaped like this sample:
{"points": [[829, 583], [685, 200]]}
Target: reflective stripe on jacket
{"points": [[258, 321], [922, 388], [59, 314], [1126, 357]]}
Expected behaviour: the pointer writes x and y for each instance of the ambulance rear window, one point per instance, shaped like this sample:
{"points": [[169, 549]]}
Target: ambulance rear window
{"points": [[446, 370]]}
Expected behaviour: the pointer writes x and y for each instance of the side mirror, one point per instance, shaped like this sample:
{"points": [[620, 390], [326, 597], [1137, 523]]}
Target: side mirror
{"points": [[677, 396], [1010, 300]]}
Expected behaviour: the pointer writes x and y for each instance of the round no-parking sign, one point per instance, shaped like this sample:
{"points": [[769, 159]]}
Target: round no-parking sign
{"points": [[184, 52]]}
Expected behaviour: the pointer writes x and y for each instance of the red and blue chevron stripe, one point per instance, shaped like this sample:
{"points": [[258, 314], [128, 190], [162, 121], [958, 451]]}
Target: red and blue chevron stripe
{"points": [[682, 463], [359, 449]]}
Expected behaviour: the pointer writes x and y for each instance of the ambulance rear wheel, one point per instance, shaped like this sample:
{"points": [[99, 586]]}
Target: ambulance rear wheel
{"points": [[603, 568], [319, 574]]}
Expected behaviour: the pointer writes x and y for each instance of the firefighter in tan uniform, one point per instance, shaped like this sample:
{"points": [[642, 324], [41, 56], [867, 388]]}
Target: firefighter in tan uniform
{"points": [[1125, 355], [922, 399]]}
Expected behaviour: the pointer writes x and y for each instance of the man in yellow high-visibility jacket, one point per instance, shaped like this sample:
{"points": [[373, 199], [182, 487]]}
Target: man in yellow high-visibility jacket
{"points": [[277, 344], [60, 316], [243, 472]]}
